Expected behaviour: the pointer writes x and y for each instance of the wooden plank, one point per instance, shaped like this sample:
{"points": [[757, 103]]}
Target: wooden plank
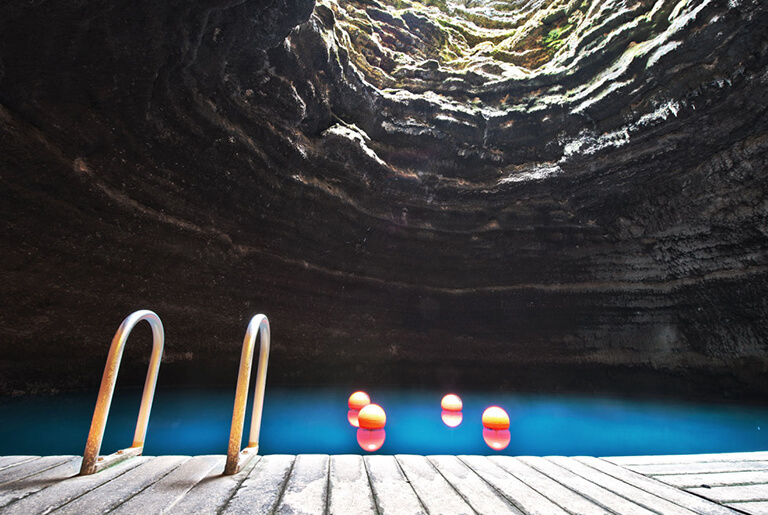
{"points": [[349, 490], [65, 489], [655, 487], [10, 461], [588, 489], [167, 491], [522, 496], [392, 491], [730, 494], [307, 488], [715, 479], [435, 493], [638, 495], [554, 491], [261, 489], [687, 458], [699, 467], [753, 508], [114, 493], [31, 467], [478, 494], [213, 491], [15, 490]]}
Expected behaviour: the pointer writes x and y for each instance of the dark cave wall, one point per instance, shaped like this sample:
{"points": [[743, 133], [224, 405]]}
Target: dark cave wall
{"points": [[189, 159]]}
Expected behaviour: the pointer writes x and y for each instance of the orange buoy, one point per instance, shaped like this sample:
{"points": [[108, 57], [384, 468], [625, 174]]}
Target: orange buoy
{"points": [[452, 418], [358, 399], [451, 402], [495, 418], [498, 440], [372, 416], [371, 439]]}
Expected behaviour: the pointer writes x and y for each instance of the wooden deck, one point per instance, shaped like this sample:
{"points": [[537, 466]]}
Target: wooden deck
{"points": [[349, 484]]}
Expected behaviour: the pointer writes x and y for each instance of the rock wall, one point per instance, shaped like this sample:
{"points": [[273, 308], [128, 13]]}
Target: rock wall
{"points": [[542, 195]]}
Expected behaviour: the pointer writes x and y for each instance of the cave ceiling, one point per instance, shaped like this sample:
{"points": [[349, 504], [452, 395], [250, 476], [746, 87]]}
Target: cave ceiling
{"points": [[400, 185]]}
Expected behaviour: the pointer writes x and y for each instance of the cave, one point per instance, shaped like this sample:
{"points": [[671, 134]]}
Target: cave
{"points": [[523, 195]]}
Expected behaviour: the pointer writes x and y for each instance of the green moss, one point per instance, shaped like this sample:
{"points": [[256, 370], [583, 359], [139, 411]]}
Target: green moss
{"points": [[400, 4], [440, 4], [555, 38]]}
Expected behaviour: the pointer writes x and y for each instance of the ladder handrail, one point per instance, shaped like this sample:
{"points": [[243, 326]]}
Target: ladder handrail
{"points": [[92, 462], [237, 459]]}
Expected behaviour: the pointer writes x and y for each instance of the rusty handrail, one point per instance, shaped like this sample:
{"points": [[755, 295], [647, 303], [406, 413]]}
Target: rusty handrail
{"points": [[237, 459], [92, 462]]}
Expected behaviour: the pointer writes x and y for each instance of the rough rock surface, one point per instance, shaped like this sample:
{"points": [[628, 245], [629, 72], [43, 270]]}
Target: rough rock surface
{"points": [[538, 195]]}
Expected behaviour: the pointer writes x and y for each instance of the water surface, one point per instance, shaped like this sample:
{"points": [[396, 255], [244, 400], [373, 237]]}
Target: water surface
{"points": [[296, 421]]}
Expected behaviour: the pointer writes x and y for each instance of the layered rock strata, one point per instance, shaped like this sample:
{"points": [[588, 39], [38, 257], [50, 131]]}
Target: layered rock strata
{"points": [[540, 195]]}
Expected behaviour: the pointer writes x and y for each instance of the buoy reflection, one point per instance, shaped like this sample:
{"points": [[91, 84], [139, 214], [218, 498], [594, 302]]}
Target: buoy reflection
{"points": [[452, 418], [371, 439], [497, 439], [352, 417]]}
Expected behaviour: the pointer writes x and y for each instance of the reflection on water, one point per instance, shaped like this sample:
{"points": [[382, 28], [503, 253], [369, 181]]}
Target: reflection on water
{"points": [[352, 416], [197, 422], [451, 418], [371, 440], [497, 439]]}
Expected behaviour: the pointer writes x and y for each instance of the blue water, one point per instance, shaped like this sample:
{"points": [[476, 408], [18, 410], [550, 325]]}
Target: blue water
{"points": [[315, 421]]}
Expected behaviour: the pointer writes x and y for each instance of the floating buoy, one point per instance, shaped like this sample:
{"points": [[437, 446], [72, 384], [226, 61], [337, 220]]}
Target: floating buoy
{"points": [[498, 440], [451, 402], [452, 418], [495, 418], [358, 399], [371, 439], [352, 417], [372, 416]]}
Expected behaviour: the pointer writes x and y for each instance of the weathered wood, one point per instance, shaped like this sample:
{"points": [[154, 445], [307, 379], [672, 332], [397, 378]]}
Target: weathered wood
{"points": [[588, 489], [753, 508], [626, 461], [212, 492], [383, 485], [349, 490], [10, 461], [715, 479], [435, 493], [557, 493], [63, 490], [653, 486], [638, 495], [478, 494], [261, 490], [307, 487], [31, 467], [14, 490], [699, 467], [730, 494], [522, 496], [114, 493], [166, 492], [392, 491]]}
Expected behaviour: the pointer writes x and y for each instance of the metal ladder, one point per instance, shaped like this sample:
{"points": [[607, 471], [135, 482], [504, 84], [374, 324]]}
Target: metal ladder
{"points": [[92, 462], [236, 459]]}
